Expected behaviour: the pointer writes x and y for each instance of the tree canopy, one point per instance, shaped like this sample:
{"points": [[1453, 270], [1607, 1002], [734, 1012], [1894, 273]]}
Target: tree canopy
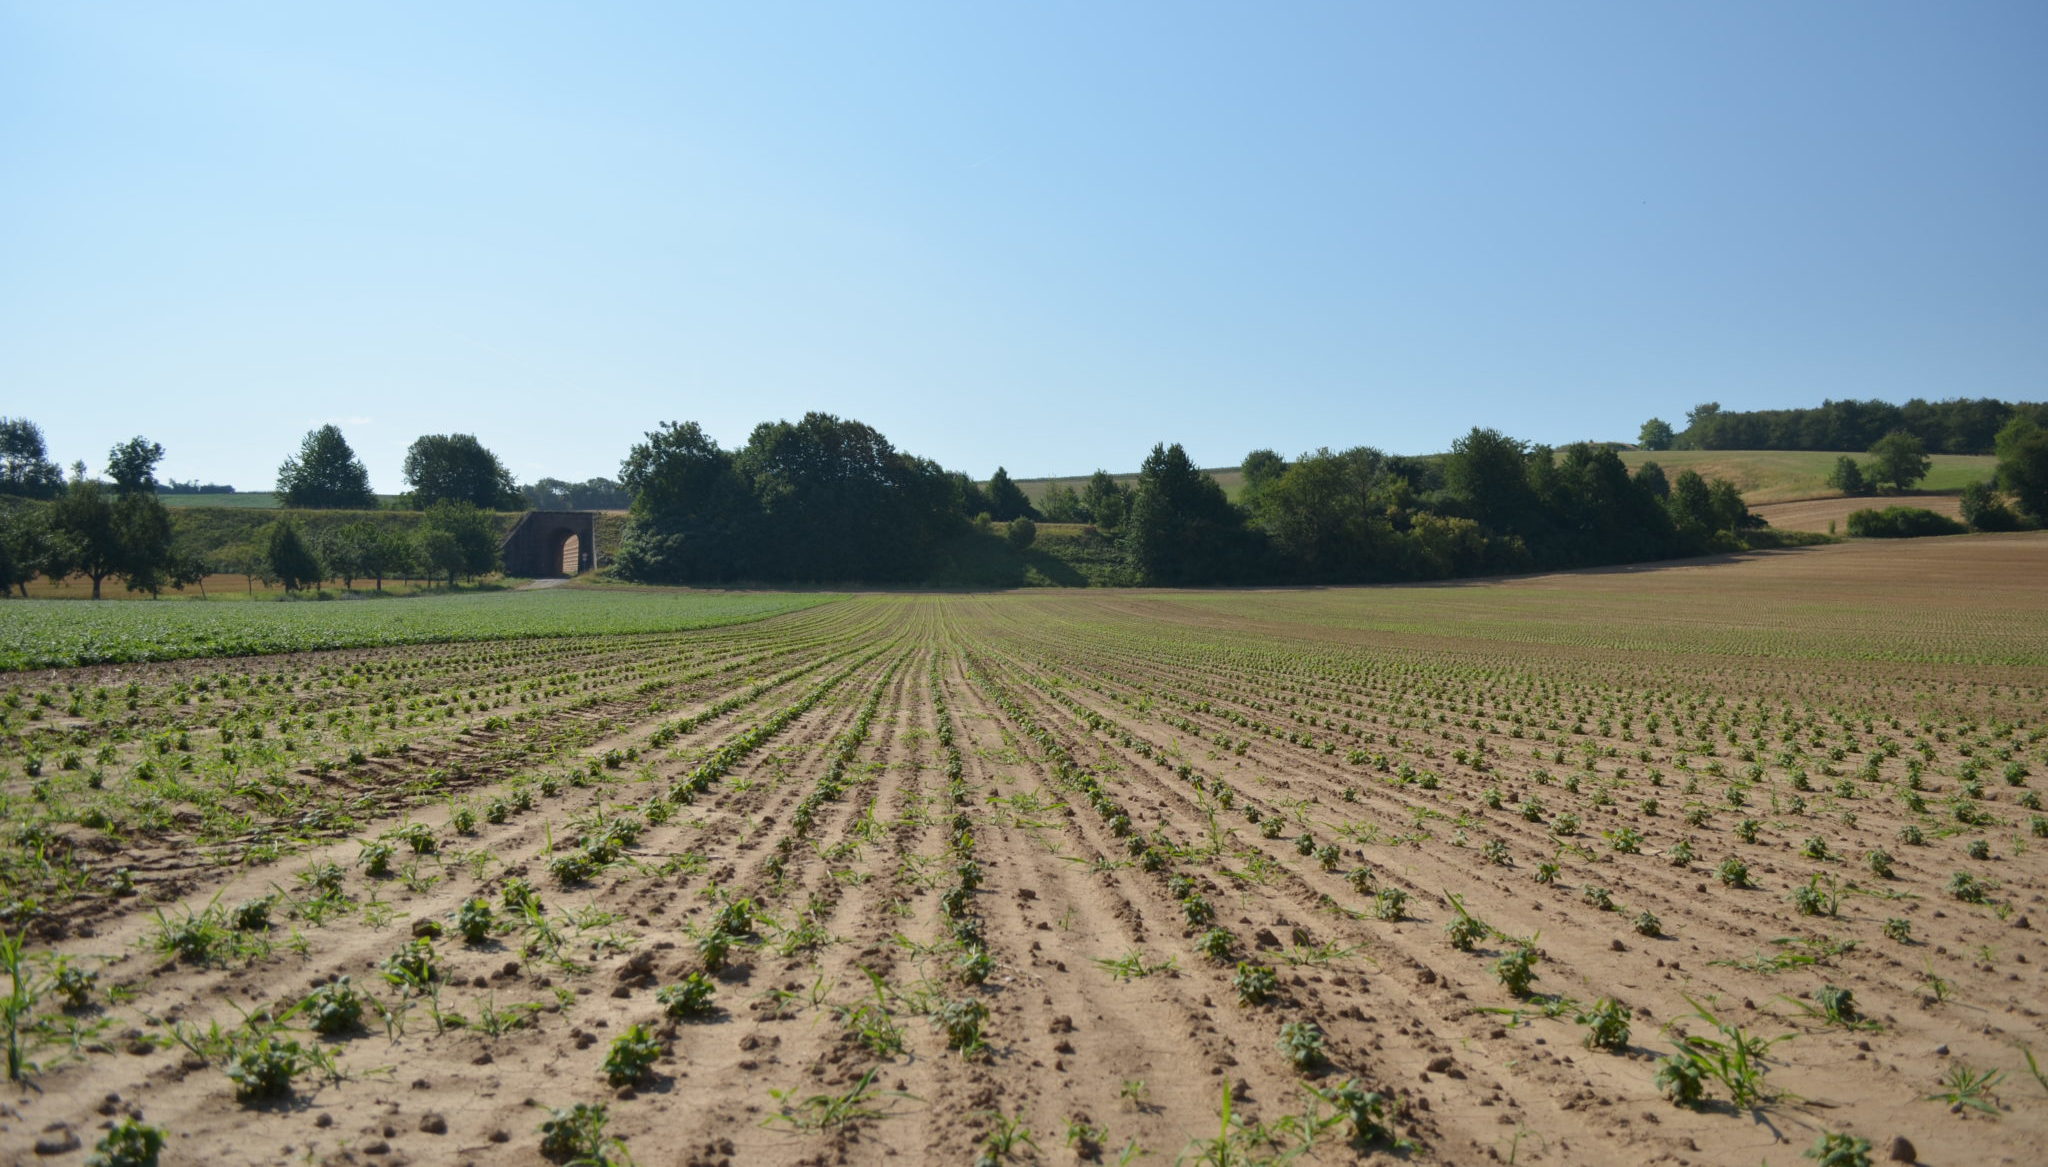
{"points": [[457, 468], [25, 466], [2023, 466], [1900, 459], [325, 475], [1006, 500], [132, 465]]}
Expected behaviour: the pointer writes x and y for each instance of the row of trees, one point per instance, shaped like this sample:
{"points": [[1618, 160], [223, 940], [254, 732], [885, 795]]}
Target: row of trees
{"points": [[451, 539], [118, 528], [593, 494], [1958, 426], [1494, 503], [58, 528], [326, 475]]}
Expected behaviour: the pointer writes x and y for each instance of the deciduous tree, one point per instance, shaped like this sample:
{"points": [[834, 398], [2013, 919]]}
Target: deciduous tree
{"points": [[1847, 476], [2023, 466], [289, 559], [25, 466], [1900, 459], [457, 468], [132, 465], [325, 474]]}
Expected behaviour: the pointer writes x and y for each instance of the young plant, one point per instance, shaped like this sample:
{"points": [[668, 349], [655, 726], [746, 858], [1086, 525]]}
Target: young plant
{"points": [[413, 967], [632, 1057], [1734, 1059], [263, 1067], [575, 1135], [1967, 1088], [130, 1142], [333, 1008], [1254, 983], [1464, 929], [1365, 1111], [1837, 1004], [961, 1022], [475, 921], [690, 998], [1833, 1149], [1606, 1022], [1216, 944], [1390, 903], [1517, 970], [1301, 1043]]}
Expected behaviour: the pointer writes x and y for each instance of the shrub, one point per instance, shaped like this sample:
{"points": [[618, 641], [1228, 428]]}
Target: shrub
{"points": [[1901, 523], [1983, 510]]}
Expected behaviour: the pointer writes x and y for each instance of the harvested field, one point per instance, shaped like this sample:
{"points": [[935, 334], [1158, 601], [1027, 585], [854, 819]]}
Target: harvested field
{"points": [[1436, 872], [1814, 514]]}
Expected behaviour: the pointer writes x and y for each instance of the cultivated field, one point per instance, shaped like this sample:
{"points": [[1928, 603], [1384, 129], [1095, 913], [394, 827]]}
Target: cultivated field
{"points": [[1436, 873]]}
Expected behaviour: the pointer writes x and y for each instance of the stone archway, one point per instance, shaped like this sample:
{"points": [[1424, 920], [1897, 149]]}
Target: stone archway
{"points": [[551, 544], [568, 553]]}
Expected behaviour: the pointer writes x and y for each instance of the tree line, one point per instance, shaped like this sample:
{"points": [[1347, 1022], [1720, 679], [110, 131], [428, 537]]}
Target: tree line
{"points": [[1957, 426], [831, 500]]}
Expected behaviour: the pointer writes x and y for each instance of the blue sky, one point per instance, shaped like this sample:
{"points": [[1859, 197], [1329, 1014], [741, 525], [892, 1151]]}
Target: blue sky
{"points": [[1044, 235]]}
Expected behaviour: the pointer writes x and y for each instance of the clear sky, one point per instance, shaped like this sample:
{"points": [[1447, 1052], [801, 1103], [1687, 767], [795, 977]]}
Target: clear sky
{"points": [[1038, 234]]}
